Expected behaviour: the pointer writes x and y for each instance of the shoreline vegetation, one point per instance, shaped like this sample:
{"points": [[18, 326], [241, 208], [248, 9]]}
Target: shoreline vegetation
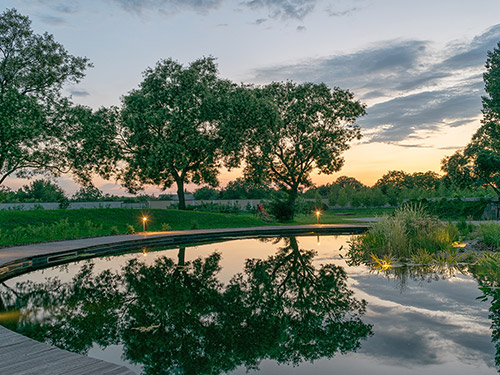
{"points": [[408, 234], [411, 237], [24, 227]]}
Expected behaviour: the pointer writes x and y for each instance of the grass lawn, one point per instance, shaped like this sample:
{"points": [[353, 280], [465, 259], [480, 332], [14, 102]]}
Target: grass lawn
{"points": [[19, 227]]}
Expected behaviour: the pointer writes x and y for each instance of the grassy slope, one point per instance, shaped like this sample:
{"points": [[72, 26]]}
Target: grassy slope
{"points": [[15, 226], [122, 217]]}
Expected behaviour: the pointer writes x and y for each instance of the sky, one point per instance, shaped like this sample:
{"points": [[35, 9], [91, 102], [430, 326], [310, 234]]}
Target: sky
{"points": [[416, 64]]}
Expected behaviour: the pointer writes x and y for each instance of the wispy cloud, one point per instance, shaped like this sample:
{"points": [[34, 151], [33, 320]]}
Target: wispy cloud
{"points": [[78, 92], [260, 21], [168, 6], [284, 9], [301, 28], [410, 85], [51, 19], [341, 13]]}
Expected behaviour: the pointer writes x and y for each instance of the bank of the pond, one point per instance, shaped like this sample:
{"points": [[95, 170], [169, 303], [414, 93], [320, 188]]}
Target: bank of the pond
{"points": [[20, 259], [24, 227]]}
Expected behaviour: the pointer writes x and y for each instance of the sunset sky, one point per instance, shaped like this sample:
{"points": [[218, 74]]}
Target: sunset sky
{"points": [[416, 64]]}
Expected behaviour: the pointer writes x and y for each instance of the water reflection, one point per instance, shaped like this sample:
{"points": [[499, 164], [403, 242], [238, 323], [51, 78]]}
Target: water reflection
{"points": [[177, 317]]}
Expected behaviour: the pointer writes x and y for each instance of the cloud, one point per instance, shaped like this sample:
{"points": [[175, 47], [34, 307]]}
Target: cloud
{"points": [[52, 20], [420, 323], [284, 9], [78, 92], [342, 13], [260, 21], [301, 28], [168, 6], [410, 85]]}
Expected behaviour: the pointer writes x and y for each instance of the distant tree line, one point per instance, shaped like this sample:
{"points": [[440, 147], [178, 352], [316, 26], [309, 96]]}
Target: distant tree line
{"points": [[42, 191], [392, 189]]}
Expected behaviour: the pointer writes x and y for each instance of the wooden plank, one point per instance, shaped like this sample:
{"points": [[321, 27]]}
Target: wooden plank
{"points": [[20, 355]]}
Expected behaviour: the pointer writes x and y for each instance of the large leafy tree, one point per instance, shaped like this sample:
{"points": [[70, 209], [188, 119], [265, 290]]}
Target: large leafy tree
{"points": [[33, 70], [479, 162], [302, 127], [170, 126]]}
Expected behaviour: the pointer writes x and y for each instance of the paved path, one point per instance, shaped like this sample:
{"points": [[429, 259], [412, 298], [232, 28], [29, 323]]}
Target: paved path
{"points": [[20, 355]]}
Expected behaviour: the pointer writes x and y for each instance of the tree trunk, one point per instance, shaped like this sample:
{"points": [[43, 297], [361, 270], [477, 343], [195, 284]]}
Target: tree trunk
{"points": [[180, 194], [292, 195], [181, 256]]}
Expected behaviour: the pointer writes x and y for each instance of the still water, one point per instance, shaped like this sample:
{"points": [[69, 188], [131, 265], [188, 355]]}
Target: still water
{"points": [[290, 305]]}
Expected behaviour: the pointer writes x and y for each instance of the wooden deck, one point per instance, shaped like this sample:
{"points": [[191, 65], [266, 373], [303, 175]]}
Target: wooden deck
{"points": [[20, 355]]}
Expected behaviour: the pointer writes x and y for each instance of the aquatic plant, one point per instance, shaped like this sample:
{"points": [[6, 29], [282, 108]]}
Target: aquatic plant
{"points": [[409, 231], [489, 234]]}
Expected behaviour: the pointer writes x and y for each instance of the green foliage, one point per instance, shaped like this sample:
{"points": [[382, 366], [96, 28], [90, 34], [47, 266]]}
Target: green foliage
{"points": [[282, 210], [464, 228], [171, 126], [307, 207], [403, 234], [165, 227], [33, 113], [307, 126], [88, 194], [479, 162], [489, 234], [454, 208], [114, 230], [241, 189], [57, 231], [206, 193], [130, 229], [40, 191]]}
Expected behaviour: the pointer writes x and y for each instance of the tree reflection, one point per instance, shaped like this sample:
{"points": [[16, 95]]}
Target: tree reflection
{"points": [[72, 315], [487, 273], [177, 317]]}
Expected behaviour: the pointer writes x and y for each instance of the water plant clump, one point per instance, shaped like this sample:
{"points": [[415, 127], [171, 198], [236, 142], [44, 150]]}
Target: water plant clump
{"points": [[408, 232]]}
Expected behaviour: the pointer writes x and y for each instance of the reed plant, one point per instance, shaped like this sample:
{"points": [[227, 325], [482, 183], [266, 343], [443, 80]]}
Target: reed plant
{"points": [[408, 232], [489, 234]]}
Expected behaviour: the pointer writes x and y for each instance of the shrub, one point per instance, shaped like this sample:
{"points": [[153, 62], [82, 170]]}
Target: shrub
{"points": [[165, 227], [130, 229], [282, 210], [454, 208], [114, 230]]}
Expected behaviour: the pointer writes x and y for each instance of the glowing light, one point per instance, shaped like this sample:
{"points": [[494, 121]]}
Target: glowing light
{"points": [[317, 216], [144, 252], [384, 264], [144, 219]]}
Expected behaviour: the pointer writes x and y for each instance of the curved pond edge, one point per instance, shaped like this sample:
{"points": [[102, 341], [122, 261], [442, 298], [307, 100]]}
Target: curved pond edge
{"points": [[17, 260], [29, 355]]}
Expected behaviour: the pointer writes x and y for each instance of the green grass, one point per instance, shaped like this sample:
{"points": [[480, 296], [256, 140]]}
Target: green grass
{"points": [[20, 227], [333, 217]]}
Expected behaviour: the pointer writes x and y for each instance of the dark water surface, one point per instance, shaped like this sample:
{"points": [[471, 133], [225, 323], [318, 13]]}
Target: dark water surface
{"points": [[287, 305]]}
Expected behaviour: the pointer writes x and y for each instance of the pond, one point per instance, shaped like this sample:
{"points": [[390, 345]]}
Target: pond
{"points": [[288, 305]]}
